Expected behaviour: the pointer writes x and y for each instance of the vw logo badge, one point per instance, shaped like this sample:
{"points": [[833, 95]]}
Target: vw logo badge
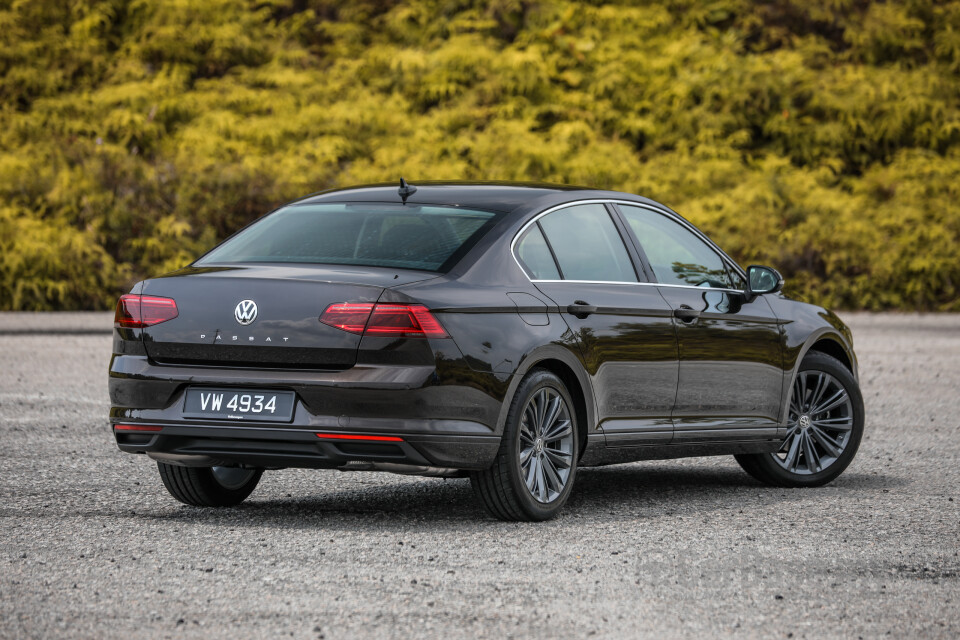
{"points": [[246, 312]]}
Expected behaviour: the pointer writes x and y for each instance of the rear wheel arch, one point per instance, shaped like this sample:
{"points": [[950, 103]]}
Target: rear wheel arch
{"points": [[577, 394], [565, 366], [535, 468]]}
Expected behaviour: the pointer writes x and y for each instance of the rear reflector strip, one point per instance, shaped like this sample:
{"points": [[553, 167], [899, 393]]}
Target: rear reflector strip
{"points": [[137, 427], [342, 436]]}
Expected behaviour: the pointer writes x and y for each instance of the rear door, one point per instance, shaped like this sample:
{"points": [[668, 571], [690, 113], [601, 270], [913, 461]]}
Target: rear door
{"points": [[576, 255], [731, 363]]}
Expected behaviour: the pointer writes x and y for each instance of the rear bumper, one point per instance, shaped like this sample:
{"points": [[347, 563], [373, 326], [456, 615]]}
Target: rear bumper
{"points": [[446, 420], [208, 445]]}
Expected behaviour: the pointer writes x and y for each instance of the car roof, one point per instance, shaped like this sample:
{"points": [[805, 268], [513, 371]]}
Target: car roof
{"points": [[487, 196]]}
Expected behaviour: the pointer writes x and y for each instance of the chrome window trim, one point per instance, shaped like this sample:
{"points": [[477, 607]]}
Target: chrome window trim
{"points": [[533, 221], [672, 216], [642, 284]]}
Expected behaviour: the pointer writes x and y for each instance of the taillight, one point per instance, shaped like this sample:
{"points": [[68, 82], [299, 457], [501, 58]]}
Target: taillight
{"points": [[135, 311], [348, 316], [403, 320], [390, 320]]}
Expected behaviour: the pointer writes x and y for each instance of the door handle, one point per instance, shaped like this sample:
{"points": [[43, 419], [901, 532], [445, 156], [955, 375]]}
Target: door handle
{"points": [[686, 314], [581, 309]]}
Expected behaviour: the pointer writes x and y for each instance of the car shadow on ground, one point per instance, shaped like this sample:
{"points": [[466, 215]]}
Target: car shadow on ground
{"points": [[635, 491]]}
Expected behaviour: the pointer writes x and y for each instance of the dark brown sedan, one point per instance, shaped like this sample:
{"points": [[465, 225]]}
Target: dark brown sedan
{"points": [[507, 332]]}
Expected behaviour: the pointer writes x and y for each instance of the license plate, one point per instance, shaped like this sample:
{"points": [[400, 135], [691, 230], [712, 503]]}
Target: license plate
{"points": [[239, 404]]}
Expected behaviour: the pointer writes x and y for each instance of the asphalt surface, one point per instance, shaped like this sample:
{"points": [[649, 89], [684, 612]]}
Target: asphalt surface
{"points": [[91, 545]]}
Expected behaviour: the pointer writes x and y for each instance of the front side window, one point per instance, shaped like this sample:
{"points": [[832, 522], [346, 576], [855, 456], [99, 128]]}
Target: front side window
{"points": [[587, 244], [369, 234], [676, 254]]}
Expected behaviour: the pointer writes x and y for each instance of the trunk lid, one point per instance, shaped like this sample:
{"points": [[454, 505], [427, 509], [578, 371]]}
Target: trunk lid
{"points": [[217, 326]]}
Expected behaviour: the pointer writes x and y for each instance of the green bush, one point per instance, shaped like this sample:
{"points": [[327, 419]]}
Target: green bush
{"points": [[821, 137]]}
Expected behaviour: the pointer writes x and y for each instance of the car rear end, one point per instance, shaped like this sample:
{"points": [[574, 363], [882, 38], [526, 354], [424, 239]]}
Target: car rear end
{"points": [[289, 346]]}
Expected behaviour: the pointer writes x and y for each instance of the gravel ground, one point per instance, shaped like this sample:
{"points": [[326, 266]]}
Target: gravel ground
{"points": [[92, 546]]}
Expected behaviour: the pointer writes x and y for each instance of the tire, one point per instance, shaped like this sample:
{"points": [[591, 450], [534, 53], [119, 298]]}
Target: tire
{"points": [[209, 486], [819, 444], [533, 473]]}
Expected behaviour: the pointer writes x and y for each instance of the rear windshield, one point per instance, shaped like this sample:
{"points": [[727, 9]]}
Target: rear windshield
{"points": [[431, 238]]}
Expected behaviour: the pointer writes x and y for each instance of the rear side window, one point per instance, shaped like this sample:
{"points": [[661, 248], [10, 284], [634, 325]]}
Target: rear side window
{"points": [[587, 244], [430, 238], [535, 255]]}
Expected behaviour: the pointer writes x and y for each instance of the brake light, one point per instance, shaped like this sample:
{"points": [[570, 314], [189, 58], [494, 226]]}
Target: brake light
{"points": [[388, 320], [135, 311]]}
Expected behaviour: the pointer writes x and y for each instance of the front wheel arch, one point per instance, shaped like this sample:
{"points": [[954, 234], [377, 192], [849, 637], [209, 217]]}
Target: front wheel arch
{"points": [[762, 465], [824, 341], [831, 347]]}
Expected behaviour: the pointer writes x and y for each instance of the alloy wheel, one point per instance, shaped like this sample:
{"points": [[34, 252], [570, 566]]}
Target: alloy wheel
{"points": [[820, 422], [546, 445]]}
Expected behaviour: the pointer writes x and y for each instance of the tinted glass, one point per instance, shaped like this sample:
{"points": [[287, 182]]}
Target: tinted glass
{"points": [[676, 254], [535, 255], [383, 235], [587, 244], [738, 282]]}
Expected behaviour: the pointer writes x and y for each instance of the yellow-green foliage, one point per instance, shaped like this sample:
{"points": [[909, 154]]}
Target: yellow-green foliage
{"points": [[821, 137]]}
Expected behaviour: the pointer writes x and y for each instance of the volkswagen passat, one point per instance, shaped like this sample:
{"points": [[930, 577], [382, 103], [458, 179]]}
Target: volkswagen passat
{"points": [[512, 333]]}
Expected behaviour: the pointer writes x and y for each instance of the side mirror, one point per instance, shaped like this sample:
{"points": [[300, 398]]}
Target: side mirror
{"points": [[762, 280]]}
